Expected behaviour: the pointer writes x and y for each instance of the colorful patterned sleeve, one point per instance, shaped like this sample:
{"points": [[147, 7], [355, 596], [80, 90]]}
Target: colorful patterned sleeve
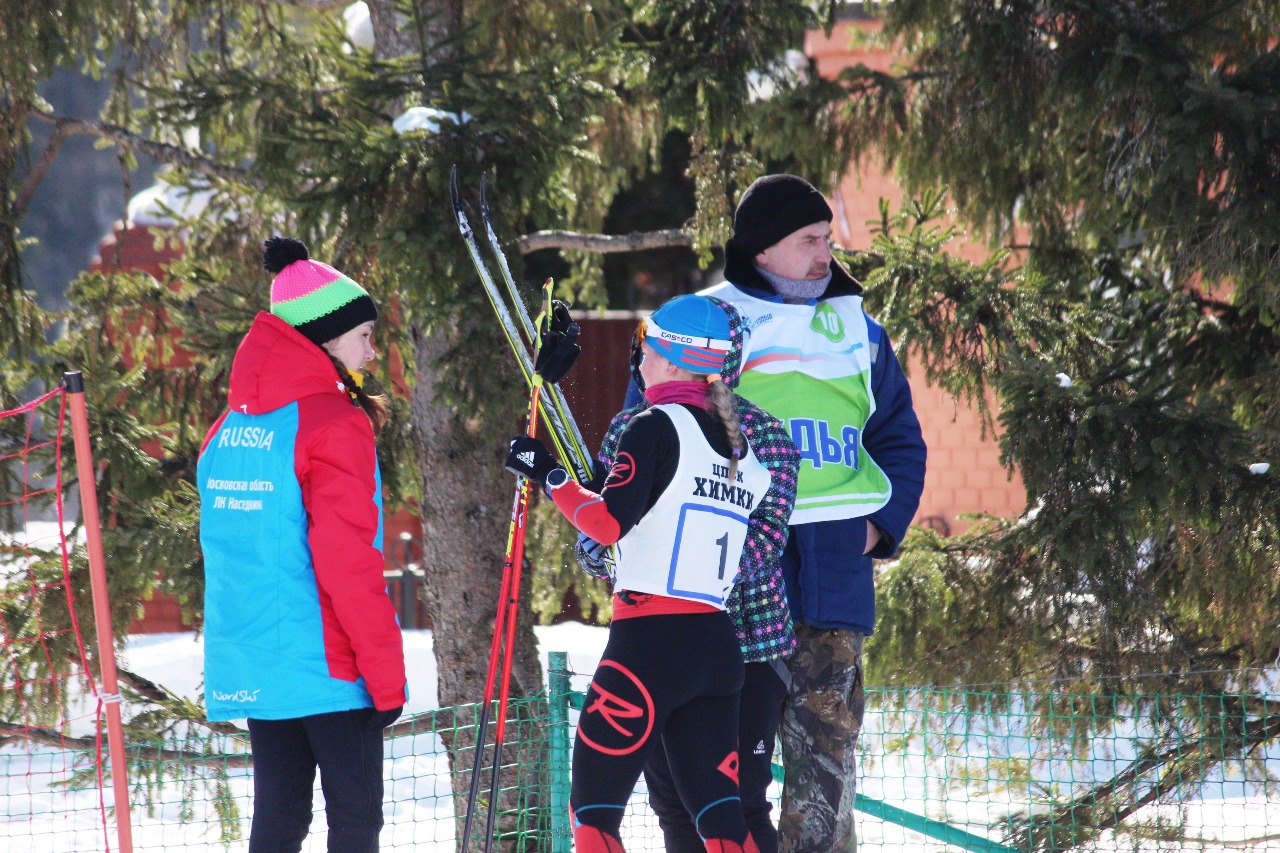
{"points": [[767, 533], [758, 604], [608, 449]]}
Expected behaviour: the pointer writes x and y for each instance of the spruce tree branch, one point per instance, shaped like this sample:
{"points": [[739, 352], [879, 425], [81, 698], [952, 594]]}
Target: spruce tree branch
{"points": [[161, 151], [44, 736], [1100, 809], [37, 174], [605, 244], [153, 692], [138, 752]]}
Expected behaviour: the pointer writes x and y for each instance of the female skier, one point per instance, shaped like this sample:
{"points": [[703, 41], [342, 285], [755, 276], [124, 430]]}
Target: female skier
{"points": [[677, 502], [300, 634], [758, 608]]}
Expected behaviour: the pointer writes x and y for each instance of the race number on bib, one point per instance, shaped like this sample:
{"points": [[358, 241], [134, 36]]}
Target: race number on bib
{"points": [[708, 547]]}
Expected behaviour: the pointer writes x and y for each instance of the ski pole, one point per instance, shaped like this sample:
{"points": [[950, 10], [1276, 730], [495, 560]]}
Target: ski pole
{"points": [[503, 637], [515, 559], [508, 593], [482, 723]]}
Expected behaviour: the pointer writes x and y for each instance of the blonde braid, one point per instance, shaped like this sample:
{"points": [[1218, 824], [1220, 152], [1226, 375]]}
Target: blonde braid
{"points": [[722, 403]]}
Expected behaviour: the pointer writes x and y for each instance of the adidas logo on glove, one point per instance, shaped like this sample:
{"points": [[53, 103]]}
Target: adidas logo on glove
{"points": [[526, 457]]}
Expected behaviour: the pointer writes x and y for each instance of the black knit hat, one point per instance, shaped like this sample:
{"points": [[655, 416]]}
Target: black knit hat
{"points": [[774, 207]]}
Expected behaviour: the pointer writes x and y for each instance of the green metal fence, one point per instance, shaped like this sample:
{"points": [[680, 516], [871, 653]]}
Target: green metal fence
{"points": [[940, 770]]}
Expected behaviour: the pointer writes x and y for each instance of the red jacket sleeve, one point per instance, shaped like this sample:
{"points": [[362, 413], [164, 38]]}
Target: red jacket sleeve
{"points": [[362, 635], [588, 512]]}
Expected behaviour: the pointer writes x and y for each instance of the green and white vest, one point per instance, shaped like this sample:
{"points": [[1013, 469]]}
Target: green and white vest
{"points": [[810, 367]]}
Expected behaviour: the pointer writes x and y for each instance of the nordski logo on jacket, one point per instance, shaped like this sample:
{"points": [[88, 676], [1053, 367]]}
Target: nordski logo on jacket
{"points": [[248, 436], [237, 696]]}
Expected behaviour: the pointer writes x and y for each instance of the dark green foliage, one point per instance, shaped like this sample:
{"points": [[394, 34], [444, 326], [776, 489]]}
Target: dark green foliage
{"points": [[1121, 156], [698, 51], [1148, 545], [1125, 361], [1099, 126], [1125, 154]]}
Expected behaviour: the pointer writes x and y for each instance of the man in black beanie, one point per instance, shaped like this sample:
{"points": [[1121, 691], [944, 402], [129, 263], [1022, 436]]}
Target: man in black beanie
{"points": [[816, 361]]}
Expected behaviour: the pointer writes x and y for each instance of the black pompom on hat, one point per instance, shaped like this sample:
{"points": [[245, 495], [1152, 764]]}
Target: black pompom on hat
{"points": [[313, 297]]}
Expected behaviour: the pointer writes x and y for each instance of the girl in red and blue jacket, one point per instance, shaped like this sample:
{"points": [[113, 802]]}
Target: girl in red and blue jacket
{"points": [[300, 634]]}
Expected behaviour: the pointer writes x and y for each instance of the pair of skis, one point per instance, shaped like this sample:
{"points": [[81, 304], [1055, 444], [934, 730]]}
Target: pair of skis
{"points": [[520, 333], [524, 340]]}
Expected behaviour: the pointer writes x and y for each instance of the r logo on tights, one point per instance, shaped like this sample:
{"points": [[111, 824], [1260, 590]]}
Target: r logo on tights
{"points": [[618, 716]]}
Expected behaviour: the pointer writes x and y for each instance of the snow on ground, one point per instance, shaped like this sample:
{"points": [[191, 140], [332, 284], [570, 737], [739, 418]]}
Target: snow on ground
{"points": [[37, 815]]}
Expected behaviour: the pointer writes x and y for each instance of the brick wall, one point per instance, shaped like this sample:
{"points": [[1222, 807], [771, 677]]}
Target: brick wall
{"points": [[964, 471]]}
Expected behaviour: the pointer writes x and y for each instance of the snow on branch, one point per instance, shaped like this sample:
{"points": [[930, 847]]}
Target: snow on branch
{"points": [[603, 243]]}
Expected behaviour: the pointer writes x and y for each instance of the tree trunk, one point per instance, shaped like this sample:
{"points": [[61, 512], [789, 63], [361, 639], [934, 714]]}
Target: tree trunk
{"points": [[394, 36], [466, 507], [466, 511]]}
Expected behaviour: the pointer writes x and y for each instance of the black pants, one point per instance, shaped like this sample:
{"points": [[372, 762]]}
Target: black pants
{"points": [[346, 746], [673, 680], [763, 691]]}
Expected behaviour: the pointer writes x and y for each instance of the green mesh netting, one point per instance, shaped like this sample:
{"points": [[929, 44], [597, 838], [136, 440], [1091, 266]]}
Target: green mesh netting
{"points": [[940, 770]]}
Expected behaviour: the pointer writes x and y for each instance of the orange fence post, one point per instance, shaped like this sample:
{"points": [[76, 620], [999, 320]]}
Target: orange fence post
{"points": [[101, 606]]}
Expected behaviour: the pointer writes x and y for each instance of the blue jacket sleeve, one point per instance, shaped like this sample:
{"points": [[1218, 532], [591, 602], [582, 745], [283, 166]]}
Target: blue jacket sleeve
{"points": [[894, 440]]}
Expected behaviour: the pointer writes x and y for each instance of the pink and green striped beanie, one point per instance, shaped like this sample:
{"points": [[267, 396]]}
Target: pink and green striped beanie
{"points": [[314, 298]]}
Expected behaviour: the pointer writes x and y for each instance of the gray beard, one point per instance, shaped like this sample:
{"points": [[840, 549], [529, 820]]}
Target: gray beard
{"points": [[796, 291]]}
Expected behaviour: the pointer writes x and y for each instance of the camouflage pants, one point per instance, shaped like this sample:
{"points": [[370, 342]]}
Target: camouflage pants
{"points": [[821, 720]]}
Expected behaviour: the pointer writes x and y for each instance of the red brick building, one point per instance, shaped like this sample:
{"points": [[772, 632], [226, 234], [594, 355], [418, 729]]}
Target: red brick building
{"points": [[964, 471]]}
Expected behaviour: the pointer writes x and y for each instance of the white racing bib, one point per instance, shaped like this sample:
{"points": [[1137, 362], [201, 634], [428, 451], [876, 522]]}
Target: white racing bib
{"points": [[689, 544]]}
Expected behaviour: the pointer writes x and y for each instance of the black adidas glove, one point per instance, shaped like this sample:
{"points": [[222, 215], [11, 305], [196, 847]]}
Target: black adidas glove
{"points": [[558, 346], [530, 458]]}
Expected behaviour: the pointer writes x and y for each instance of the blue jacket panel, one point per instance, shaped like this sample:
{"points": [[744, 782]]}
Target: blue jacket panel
{"points": [[262, 606]]}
